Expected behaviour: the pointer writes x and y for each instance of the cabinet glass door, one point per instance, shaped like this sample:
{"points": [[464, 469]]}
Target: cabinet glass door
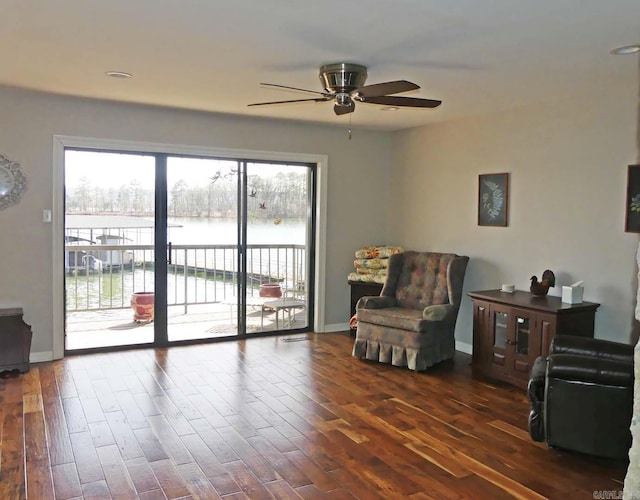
{"points": [[500, 337], [523, 333], [500, 329], [526, 341]]}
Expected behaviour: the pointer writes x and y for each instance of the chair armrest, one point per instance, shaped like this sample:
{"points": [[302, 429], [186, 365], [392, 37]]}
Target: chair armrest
{"points": [[589, 370], [592, 348], [375, 302], [438, 312], [535, 391]]}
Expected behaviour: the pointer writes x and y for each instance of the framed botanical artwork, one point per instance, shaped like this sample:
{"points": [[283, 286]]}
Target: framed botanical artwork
{"points": [[493, 199], [632, 220]]}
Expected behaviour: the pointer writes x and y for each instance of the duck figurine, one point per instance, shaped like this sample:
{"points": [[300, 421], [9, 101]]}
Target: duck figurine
{"points": [[541, 288]]}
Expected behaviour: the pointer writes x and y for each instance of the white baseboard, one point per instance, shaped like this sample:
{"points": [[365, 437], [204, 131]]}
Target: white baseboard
{"points": [[464, 347], [337, 327], [39, 357]]}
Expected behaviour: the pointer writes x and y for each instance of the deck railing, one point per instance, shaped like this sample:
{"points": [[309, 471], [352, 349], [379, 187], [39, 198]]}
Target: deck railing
{"points": [[100, 277]]}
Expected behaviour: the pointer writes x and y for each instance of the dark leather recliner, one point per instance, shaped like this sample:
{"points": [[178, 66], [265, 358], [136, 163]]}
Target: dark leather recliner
{"points": [[581, 396]]}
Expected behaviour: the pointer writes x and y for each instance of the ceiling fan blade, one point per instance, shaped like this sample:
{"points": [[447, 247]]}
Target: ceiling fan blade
{"points": [[412, 102], [343, 110], [294, 88], [317, 99], [385, 88]]}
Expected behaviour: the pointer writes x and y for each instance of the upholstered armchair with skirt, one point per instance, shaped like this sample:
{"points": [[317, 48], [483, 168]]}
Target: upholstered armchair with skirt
{"points": [[412, 322]]}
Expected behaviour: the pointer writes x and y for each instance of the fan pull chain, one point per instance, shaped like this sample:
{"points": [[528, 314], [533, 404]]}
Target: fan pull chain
{"points": [[350, 114]]}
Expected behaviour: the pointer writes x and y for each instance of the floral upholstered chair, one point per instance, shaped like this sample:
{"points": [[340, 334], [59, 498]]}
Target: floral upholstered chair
{"points": [[412, 322]]}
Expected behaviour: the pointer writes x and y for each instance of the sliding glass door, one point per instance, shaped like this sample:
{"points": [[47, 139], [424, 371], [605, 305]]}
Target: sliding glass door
{"points": [[109, 249], [278, 232], [162, 248], [203, 248]]}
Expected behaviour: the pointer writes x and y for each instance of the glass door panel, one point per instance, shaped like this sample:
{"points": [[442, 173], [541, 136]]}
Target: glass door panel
{"points": [[202, 236], [523, 333], [500, 327], [277, 236], [500, 337], [109, 252]]}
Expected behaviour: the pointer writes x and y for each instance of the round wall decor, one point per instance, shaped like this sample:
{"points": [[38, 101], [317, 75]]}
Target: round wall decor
{"points": [[13, 182]]}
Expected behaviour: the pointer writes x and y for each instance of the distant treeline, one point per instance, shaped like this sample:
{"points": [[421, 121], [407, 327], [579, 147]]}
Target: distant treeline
{"points": [[283, 195]]}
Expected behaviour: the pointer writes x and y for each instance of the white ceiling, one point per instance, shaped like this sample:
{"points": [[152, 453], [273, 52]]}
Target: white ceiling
{"points": [[477, 56]]}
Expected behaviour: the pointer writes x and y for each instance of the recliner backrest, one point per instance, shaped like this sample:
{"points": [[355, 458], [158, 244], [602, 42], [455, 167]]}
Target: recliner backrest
{"points": [[419, 279]]}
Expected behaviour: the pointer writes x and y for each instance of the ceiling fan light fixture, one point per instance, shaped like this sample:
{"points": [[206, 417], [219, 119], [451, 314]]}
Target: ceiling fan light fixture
{"points": [[118, 74], [343, 99], [625, 50]]}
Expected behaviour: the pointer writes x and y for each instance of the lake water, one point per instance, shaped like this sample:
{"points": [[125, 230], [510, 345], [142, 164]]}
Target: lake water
{"points": [[225, 231]]}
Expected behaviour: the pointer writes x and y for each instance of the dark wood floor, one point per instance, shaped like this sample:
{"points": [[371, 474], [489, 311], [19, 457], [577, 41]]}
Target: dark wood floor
{"points": [[265, 418]]}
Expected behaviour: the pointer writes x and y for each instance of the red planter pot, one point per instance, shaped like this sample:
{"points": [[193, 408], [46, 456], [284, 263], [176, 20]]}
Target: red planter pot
{"points": [[270, 291], [142, 305]]}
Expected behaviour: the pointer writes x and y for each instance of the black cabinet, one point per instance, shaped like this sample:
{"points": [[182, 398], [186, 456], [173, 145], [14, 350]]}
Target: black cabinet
{"points": [[15, 341], [362, 289]]}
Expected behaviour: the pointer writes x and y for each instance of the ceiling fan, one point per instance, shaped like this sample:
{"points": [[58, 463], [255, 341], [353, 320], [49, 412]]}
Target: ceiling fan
{"points": [[344, 84]]}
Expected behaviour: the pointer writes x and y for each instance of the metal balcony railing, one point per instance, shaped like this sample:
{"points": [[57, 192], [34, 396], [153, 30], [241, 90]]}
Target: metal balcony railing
{"points": [[100, 277]]}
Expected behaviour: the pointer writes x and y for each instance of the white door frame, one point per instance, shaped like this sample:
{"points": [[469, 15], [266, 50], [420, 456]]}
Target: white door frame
{"points": [[60, 142]]}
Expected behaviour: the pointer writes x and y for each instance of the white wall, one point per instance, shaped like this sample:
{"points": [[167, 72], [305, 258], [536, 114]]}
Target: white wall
{"points": [[357, 181], [568, 172]]}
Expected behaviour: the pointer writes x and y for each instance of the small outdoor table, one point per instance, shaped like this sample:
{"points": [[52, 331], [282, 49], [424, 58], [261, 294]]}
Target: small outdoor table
{"points": [[284, 305]]}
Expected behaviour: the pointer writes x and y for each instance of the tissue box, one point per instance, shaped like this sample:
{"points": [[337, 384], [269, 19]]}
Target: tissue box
{"points": [[572, 294]]}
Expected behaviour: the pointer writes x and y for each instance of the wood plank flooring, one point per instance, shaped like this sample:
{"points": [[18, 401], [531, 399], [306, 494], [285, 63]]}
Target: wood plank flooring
{"points": [[266, 418]]}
